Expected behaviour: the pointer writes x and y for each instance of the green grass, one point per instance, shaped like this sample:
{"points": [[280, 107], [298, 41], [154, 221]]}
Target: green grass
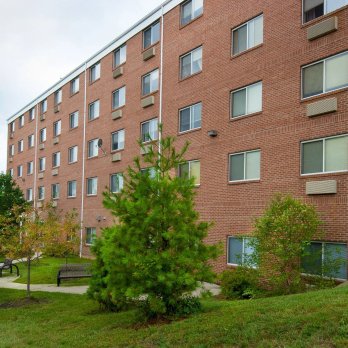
{"points": [[44, 271], [313, 319]]}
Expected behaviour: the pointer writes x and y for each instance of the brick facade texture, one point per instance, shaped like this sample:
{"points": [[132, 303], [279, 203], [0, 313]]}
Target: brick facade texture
{"points": [[277, 131]]}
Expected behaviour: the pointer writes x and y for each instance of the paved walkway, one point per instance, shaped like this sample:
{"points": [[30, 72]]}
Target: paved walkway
{"points": [[8, 283]]}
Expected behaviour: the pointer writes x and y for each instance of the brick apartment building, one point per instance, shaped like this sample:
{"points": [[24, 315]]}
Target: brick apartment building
{"points": [[259, 89]]}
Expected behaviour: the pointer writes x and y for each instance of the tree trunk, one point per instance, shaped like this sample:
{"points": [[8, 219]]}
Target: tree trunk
{"points": [[28, 277]]}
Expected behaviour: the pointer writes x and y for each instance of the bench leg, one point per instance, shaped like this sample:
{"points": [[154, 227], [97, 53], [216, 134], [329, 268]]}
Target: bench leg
{"points": [[17, 269], [58, 281]]}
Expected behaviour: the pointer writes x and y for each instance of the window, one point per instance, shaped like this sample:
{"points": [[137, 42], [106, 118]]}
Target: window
{"points": [[58, 97], [150, 82], [316, 8], [11, 150], [93, 148], [93, 110], [119, 97], [149, 130], [12, 127], [72, 154], [30, 168], [94, 72], [117, 140], [248, 35], [239, 250], [31, 114], [31, 141], [325, 155], [42, 164], [43, 106], [21, 121], [247, 100], [42, 135], [91, 234], [74, 120], [41, 193], [245, 166], [10, 171], [56, 159], [151, 35], [191, 63], [72, 188], [55, 188], [57, 128], [327, 259], [191, 169], [326, 75], [92, 186], [20, 171], [190, 10], [190, 117], [151, 171], [120, 55], [29, 194], [20, 145], [116, 182], [74, 85]]}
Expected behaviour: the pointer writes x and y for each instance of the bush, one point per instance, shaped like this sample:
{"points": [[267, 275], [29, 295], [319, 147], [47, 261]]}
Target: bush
{"points": [[239, 283]]}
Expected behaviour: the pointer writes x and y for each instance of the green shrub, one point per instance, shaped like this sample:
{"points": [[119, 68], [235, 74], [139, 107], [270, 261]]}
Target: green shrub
{"points": [[239, 283]]}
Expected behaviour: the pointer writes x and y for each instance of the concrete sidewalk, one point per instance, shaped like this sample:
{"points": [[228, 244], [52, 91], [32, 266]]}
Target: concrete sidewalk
{"points": [[8, 283]]}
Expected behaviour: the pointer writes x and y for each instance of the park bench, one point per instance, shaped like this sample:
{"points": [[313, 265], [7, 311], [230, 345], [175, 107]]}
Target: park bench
{"points": [[8, 265], [74, 271]]}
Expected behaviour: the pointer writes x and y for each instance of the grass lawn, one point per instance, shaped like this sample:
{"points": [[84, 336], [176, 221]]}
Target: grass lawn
{"points": [[45, 271], [314, 319]]}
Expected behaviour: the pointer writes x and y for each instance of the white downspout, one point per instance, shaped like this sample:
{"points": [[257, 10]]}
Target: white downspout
{"points": [[35, 155], [83, 161], [161, 80]]}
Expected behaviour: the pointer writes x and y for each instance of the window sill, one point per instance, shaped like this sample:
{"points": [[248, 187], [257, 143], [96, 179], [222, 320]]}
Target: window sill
{"points": [[55, 199], [73, 94], [117, 151], [324, 94], [149, 94], [93, 82], [237, 118], [327, 15], [91, 158], [253, 181], [72, 197], [148, 47], [321, 175], [118, 108], [72, 163], [94, 195], [246, 51], [93, 119], [118, 66], [71, 129], [182, 26], [190, 131], [190, 76]]}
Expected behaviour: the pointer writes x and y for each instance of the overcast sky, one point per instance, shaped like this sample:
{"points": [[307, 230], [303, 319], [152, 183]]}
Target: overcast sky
{"points": [[43, 40]]}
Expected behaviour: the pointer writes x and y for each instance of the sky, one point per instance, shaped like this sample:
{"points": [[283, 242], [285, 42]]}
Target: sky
{"points": [[44, 40]]}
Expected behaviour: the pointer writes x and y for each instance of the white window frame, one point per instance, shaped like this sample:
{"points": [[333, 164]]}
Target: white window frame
{"points": [[30, 165], [11, 150], [97, 71], [29, 194], [192, 13], [243, 238], [247, 38], [95, 235], [191, 107], [21, 121], [92, 140], [31, 114], [68, 183], [21, 171], [246, 100], [58, 95], [124, 46], [141, 131], [69, 157], [325, 11], [74, 114], [38, 193], [10, 171], [56, 156], [124, 140], [74, 85], [58, 191], [119, 99], [119, 175], [191, 64], [57, 128], [43, 106], [43, 161], [142, 82], [190, 175], [324, 75], [92, 194], [324, 155], [151, 26], [31, 141], [244, 169], [96, 102], [12, 127], [20, 146], [42, 135]]}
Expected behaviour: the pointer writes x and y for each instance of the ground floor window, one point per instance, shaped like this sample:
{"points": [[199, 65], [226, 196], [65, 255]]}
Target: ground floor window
{"points": [[327, 259], [239, 250], [91, 234]]}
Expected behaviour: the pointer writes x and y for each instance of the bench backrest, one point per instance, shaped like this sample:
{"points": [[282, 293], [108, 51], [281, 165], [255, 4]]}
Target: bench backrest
{"points": [[83, 267], [6, 264]]}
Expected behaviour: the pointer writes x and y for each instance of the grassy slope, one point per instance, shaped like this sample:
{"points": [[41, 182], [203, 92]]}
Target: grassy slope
{"points": [[316, 319], [45, 271]]}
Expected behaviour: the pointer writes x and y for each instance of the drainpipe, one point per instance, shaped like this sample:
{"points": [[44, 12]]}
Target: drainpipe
{"points": [[35, 155], [83, 161], [161, 79]]}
